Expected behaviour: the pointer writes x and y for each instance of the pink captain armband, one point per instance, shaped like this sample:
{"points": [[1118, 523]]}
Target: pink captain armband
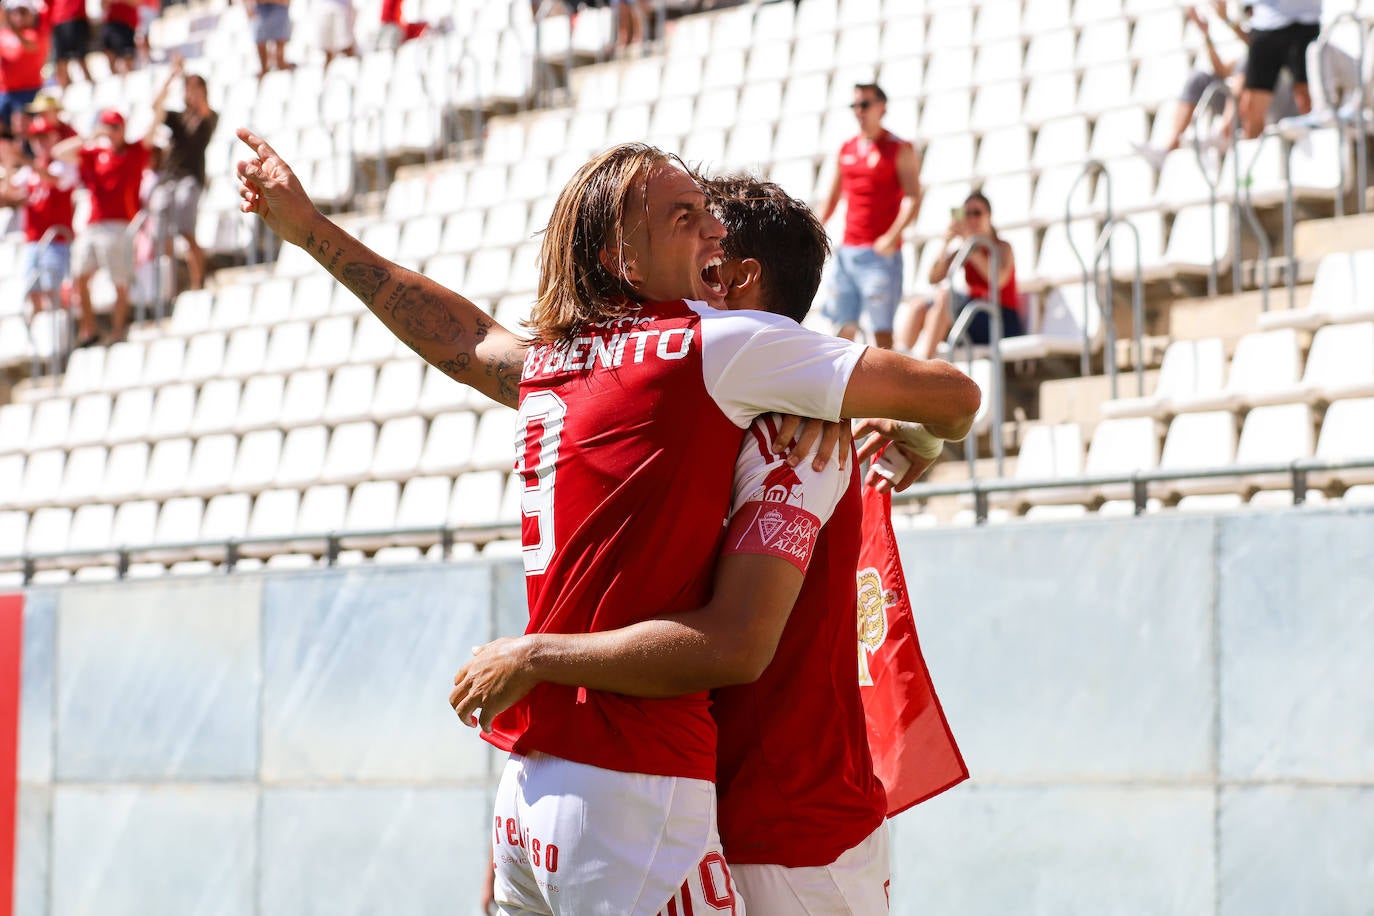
{"points": [[775, 530]]}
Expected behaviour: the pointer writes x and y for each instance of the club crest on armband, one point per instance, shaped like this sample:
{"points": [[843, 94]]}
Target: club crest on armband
{"points": [[873, 604], [770, 523]]}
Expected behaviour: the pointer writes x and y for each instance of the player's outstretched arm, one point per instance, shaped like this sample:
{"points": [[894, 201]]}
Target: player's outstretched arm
{"points": [[730, 640], [447, 330], [930, 392]]}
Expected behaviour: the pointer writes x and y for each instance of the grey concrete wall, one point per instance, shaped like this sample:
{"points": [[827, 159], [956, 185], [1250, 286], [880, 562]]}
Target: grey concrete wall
{"points": [[1167, 715]]}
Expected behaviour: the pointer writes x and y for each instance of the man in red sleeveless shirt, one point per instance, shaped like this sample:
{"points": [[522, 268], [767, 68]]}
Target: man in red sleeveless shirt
{"points": [[878, 175], [25, 34]]}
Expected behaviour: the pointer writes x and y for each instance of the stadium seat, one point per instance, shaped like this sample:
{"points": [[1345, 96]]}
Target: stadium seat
{"points": [[13, 529], [351, 447], [1191, 371], [1276, 434], [164, 361], [288, 343], [1122, 446], [439, 393], [400, 444], [178, 523], [90, 420], [1052, 195], [350, 394], [373, 342], [126, 470], [274, 516], [304, 398], [996, 105], [1340, 364], [302, 456], [494, 442], [212, 465], [1343, 291], [42, 479], [261, 403], [1057, 262], [398, 389], [168, 467], [48, 532], [476, 499], [1191, 238], [123, 365], [216, 407], [1265, 366], [92, 528], [85, 371], [246, 353], [272, 301], [424, 504], [204, 357], [1344, 436], [82, 475], [1060, 330], [372, 506], [225, 519], [1199, 441], [134, 524], [173, 409], [16, 420], [322, 509], [191, 313], [51, 421]]}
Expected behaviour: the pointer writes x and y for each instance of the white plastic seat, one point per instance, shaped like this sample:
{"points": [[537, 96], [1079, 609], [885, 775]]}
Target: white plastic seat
{"points": [[1122, 446], [1011, 197], [945, 113], [212, 465], [1190, 370], [126, 469], [450, 443], [14, 526], [1265, 365], [85, 371], [1149, 227], [51, 421], [350, 452], [123, 365], [225, 519], [304, 398], [1064, 316], [399, 446], [1063, 140], [90, 420], [1340, 363], [191, 312], [477, 499], [949, 67], [372, 507], [173, 409], [274, 516], [398, 388], [439, 393], [1050, 96], [494, 442], [42, 478], [1342, 291], [204, 357], [997, 19], [233, 307], [1275, 434], [1002, 151], [287, 347], [246, 353], [350, 394], [373, 342], [255, 464], [168, 468], [311, 297], [302, 456], [260, 405], [48, 530], [1104, 42], [1052, 193], [323, 508], [134, 524], [91, 528], [424, 503], [1191, 238], [1048, 452], [216, 407], [16, 420], [179, 521], [1131, 183], [330, 343], [1344, 436], [947, 159], [996, 105], [1158, 78], [82, 475], [1056, 262], [163, 364], [997, 60], [1200, 441], [1182, 181]]}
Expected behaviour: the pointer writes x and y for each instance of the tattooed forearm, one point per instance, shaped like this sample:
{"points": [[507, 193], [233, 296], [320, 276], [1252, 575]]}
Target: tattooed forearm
{"points": [[363, 280], [480, 332], [505, 367], [422, 315], [454, 368]]}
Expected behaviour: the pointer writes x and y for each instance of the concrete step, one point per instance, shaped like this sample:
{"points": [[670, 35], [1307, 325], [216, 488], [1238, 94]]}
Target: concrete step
{"points": [[1315, 237]]}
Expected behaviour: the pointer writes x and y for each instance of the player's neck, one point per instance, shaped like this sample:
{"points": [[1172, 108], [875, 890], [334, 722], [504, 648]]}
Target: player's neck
{"points": [[872, 136]]}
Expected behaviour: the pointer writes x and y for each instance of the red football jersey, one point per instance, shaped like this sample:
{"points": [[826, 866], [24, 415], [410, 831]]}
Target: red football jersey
{"points": [[49, 203], [113, 179], [795, 776], [627, 441], [872, 190]]}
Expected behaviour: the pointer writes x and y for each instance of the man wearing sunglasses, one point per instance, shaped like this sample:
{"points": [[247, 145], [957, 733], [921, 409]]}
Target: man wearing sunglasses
{"points": [[877, 174]]}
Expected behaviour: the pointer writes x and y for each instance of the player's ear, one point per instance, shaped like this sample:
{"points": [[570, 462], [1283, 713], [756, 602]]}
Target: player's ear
{"points": [[618, 260], [747, 274]]}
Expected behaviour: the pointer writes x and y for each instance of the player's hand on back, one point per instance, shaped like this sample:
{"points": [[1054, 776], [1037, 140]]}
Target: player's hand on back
{"points": [[270, 189], [801, 437], [496, 678]]}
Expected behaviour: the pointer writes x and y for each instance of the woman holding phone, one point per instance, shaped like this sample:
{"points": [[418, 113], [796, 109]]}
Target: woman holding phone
{"points": [[921, 326]]}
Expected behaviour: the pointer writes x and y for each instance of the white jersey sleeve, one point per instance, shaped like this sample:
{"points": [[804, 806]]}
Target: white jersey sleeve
{"points": [[757, 362], [776, 509]]}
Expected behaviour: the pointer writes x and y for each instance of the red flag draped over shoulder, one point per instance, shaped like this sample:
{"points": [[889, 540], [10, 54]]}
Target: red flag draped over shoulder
{"points": [[914, 752]]}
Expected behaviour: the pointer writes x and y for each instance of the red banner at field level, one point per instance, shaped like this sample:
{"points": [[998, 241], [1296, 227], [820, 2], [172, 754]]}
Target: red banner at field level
{"points": [[11, 654], [914, 752]]}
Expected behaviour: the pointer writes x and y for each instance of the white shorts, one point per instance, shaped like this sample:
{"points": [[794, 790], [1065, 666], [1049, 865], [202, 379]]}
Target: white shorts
{"points": [[105, 244], [855, 884], [576, 840], [333, 26]]}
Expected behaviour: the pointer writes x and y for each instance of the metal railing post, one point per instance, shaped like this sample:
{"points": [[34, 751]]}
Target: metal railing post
{"points": [[1091, 167], [959, 333], [1103, 247], [1261, 239], [1357, 116], [1203, 106]]}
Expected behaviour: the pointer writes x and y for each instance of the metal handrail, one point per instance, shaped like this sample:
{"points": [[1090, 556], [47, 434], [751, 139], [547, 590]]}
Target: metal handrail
{"points": [[1103, 247], [1139, 480], [1202, 108], [1361, 168], [959, 332], [1091, 167], [55, 304], [1248, 211]]}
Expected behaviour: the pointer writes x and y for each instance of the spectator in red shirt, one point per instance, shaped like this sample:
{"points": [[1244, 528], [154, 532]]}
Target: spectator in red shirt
{"points": [[117, 36], [71, 39], [395, 30], [44, 192], [24, 38], [112, 170], [878, 175]]}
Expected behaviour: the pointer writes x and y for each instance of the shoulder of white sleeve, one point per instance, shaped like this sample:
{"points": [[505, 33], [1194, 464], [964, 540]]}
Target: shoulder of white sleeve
{"points": [[757, 471]]}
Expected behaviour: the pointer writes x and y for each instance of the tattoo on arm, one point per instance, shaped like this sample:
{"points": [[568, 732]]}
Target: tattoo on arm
{"points": [[505, 368], [363, 280], [423, 315]]}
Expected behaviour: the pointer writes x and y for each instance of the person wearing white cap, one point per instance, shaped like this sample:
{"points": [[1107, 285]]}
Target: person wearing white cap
{"points": [[25, 33]]}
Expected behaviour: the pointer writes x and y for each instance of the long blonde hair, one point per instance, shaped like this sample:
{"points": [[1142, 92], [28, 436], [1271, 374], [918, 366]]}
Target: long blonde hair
{"points": [[574, 286]]}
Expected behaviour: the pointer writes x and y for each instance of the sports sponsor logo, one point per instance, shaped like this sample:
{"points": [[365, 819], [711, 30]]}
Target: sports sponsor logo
{"points": [[874, 601]]}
